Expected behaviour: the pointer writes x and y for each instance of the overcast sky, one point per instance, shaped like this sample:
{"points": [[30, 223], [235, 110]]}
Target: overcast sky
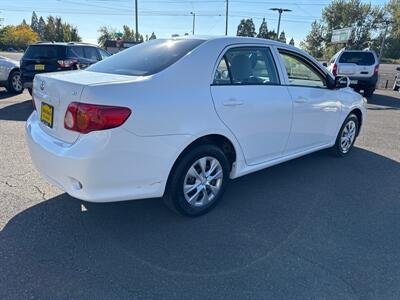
{"points": [[166, 17]]}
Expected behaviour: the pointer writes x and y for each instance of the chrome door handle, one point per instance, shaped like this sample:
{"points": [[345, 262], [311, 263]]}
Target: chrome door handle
{"points": [[232, 102]]}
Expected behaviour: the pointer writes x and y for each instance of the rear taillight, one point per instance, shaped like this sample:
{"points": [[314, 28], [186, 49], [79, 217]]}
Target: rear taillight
{"points": [[334, 69], [376, 70], [66, 63], [84, 118]]}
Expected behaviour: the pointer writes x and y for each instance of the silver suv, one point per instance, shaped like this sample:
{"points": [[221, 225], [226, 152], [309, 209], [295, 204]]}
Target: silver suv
{"points": [[362, 67], [396, 85]]}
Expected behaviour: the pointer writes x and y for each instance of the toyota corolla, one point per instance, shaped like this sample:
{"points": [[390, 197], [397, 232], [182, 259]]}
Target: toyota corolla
{"points": [[179, 118]]}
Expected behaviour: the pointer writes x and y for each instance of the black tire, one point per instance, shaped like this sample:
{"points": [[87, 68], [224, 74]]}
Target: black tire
{"points": [[30, 91], [395, 87], [337, 149], [174, 197], [11, 86], [368, 92]]}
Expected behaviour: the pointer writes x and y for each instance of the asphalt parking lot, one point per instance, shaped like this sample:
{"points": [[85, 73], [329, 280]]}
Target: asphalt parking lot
{"points": [[317, 227]]}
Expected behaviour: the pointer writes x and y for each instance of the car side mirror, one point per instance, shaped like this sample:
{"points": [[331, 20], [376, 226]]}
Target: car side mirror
{"points": [[325, 64], [342, 82]]}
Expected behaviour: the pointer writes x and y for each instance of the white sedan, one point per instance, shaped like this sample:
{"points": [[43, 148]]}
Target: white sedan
{"points": [[180, 117]]}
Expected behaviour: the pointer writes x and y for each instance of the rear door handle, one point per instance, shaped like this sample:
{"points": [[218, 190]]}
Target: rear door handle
{"points": [[232, 102], [300, 100]]}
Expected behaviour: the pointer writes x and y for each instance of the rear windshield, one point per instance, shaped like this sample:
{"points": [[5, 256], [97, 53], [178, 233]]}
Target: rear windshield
{"points": [[44, 51], [146, 58], [358, 58]]}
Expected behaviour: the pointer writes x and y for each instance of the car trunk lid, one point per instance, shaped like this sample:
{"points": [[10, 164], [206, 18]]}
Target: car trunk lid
{"points": [[53, 92]]}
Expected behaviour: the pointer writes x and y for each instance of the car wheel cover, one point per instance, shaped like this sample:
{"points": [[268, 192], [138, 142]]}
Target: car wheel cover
{"points": [[16, 82], [348, 135], [203, 181]]}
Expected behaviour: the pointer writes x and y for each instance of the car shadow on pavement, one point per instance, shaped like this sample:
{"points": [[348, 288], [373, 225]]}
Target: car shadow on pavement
{"points": [[311, 228], [16, 112], [4, 94], [385, 100]]}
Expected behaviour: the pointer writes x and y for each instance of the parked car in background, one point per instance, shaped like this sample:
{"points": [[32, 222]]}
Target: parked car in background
{"points": [[45, 57], [10, 76], [180, 117], [362, 67], [396, 85]]}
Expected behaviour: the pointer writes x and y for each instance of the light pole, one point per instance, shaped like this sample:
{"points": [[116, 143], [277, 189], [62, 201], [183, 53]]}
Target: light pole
{"points": [[194, 21], [280, 11], [136, 21], [226, 16]]}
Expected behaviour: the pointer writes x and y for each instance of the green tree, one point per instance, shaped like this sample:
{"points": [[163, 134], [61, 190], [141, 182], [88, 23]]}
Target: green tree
{"points": [[35, 22], [263, 31], [59, 30], [282, 37], [314, 41], [246, 28], [392, 49], [66, 33], [106, 33], [272, 35], [152, 36], [50, 29], [141, 39], [41, 28], [128, 33], [74, 34], [291, 42], [364, 18]]}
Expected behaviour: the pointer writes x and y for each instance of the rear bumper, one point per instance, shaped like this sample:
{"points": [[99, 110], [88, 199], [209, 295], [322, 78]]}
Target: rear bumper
{"points": [[104, 166], [363, 82], [27, 85]]}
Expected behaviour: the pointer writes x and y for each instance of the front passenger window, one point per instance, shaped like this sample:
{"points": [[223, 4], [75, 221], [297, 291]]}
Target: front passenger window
{"points": [[300, 73]]}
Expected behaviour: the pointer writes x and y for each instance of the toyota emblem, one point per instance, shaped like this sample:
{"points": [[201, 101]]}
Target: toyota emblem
{"points": [[42, 85]]}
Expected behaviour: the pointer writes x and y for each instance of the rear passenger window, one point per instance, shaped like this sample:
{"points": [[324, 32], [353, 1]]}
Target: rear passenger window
{"points": [[247, 66], [91, 53], [75, 51]]}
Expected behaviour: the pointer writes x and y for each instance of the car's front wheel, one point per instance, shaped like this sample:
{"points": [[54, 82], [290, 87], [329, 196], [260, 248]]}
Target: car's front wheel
{"points": [[14, 82], [347, 136], [198, 181]]}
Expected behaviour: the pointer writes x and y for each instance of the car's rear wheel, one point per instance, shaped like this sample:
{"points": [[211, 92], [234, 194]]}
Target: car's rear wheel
{"points": [[368, 92], [14, 82], [347, 136], [198, 181], [395, 86]]}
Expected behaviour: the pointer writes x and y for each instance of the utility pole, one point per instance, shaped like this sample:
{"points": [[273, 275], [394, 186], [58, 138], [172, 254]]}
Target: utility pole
{"points": [[226, 16], [280, 11], [194, 21], [384, 39], [137, 22]]}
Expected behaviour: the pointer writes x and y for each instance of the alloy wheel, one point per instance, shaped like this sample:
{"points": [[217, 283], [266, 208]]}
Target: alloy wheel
{"points": [[16, 82]]}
